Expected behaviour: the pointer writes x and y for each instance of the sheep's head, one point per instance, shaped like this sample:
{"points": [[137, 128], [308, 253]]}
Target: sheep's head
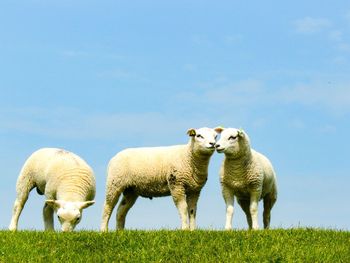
{"points": [[203, 140], [69, 213], [233, 142]]}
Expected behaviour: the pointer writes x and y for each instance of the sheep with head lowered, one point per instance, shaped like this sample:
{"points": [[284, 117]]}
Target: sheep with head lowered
{"points": [[246, 174], [65, 179], [180, 171]]}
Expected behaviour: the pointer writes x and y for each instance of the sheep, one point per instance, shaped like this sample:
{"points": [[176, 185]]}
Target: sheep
{"points": [[246, 174], [65, 179], [180, 171]]}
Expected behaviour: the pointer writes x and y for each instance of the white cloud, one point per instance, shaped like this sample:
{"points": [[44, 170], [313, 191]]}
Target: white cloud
{"points": [[74, 53], [333, 97], [221, 102], [328, 129], [311, 25], [70, 53], [325, 94], [344, 47], [237, 93], [296, 124], [189, 67], [222, 91], [340, 60], [340, 44], [69, 123], [116, 73], [347, 16], [336, 35], [200, 40], [233, 39]]}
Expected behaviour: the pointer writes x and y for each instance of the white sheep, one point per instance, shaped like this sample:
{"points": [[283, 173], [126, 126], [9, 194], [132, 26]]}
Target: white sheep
{"points": [[66, 180], [180, 171], [246, 174]]}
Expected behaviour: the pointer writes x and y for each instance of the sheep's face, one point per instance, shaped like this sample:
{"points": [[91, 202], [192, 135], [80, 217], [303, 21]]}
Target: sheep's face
{"points": [[231, 141], [69, 213], [203, 139]]}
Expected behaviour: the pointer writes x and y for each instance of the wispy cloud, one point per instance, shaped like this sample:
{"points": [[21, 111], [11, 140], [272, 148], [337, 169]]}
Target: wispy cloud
{"points": [[201, 40], [340, 60], [347, 16], [323, 94], [336, 35], [73, 53], [233, 39], [70, 123], [311, 25], [222, 91], [332, 33], [237, 93], [344, 47], [189, 67], [116, 74], [333, 97], [225, 102]]}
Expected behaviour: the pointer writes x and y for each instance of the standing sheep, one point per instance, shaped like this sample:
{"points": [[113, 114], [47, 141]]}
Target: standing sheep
{"points": [[67, 182], [246, 174], [180, 171]]}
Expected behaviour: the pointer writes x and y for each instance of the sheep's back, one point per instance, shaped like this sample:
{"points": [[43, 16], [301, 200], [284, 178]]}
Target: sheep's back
{"points": [[56, 169], [146, 168]]}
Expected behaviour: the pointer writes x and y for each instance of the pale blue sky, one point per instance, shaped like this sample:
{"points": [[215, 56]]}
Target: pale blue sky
{"points": [[95, 77]]}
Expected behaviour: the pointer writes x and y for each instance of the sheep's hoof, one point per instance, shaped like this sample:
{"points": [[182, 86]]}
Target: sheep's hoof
{"points": [[12, 228]]}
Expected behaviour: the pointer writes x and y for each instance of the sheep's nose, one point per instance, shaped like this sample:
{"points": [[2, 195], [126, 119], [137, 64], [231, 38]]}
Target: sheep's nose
{"points": [[217, 145], [212, 144]]}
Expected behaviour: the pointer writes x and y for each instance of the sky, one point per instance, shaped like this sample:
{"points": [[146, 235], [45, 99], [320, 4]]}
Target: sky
{"points": [[96, 77]]}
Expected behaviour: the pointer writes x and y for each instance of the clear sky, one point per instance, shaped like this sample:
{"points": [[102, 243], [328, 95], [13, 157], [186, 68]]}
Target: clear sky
{"points": [[95, 77]]}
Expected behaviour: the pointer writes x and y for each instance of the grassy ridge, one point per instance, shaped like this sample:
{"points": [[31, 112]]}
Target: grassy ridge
{"points": [[294, 245]]}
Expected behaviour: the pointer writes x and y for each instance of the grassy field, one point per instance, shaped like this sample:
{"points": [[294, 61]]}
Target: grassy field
{"points": [[294, 245]]}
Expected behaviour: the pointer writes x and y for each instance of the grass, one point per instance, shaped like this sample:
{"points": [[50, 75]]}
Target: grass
{"points": [[291, 245]]}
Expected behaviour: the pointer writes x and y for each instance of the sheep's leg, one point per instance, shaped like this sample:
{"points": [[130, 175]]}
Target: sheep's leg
{"points": [[253, 208], [269, 201], [179, 197], [48, 217], [192, 199], [112, 198], [228, 195], [245, 206], [23, 187], [17, 210], [127, 202]]}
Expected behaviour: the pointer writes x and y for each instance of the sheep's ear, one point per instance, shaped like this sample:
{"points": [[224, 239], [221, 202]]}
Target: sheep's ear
{"points": [[219, 129], [86, 204], [191, 132], [52, 203], [240, 132]]}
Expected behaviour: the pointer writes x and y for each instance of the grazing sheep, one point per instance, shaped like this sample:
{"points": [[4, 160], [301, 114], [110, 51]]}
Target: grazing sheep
{"points": [[64, 178], [180, 171], [246, 174]]}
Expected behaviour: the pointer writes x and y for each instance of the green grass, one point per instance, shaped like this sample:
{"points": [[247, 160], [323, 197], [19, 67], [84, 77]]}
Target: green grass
{"points": [[291, 245]]}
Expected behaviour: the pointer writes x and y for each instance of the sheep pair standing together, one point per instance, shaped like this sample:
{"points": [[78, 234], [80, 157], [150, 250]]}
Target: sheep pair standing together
{"points": [[180, 171]]}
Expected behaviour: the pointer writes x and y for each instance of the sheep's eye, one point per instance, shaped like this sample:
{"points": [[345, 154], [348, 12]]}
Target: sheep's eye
{"points": [[200, 136], [59, 218], [216, 137], [232, 137], [78, 219]]}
